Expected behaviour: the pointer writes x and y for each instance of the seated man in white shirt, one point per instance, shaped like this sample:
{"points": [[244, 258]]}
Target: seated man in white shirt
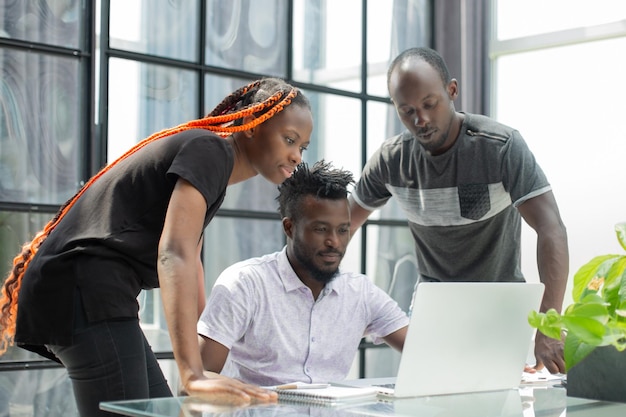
{"points": [[294, 315]]}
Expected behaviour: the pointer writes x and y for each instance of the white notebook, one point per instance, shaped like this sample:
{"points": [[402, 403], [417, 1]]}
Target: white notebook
{"points": [[332, 395]]}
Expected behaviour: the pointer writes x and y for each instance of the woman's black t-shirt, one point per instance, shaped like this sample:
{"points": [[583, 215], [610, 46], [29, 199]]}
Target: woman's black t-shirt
{"points": [[106, 245]]}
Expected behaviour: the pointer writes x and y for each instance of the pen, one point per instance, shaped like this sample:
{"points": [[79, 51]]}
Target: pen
{"points": [[298, 385]]}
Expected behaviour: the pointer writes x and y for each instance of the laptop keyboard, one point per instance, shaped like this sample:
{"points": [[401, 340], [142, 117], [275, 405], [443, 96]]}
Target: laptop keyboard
{"points": [[392, 386]]}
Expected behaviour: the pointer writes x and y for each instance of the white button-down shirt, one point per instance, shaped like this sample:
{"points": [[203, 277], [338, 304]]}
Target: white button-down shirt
{"points": [[278, 333]]}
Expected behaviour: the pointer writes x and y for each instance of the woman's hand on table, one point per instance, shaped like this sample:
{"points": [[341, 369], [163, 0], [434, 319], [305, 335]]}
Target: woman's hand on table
{"points": [[218, 389]]}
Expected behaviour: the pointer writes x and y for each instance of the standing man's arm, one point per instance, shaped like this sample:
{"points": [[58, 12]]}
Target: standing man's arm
{"points": [[542, 214], [358, 215]]}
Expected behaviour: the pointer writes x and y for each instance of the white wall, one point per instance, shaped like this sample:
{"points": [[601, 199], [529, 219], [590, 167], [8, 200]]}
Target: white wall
{"points": [[568, 103]]}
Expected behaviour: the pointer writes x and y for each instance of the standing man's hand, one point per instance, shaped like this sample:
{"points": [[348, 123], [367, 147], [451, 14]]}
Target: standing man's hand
{"points": [[549, 354], [542, 214]]}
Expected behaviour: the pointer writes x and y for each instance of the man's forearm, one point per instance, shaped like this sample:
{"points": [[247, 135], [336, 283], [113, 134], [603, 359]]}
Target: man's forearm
{"points": [[553, 265]]}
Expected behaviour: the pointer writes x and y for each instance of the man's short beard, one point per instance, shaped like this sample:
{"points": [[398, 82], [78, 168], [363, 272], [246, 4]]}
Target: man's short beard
{"points": [[324, 276], [316, 273]]}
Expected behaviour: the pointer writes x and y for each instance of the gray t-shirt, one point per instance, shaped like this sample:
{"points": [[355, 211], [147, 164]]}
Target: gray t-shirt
{"points": [[461, 205]]}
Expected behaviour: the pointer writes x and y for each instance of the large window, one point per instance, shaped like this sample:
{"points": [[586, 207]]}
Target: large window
{"points": [[557, 68], [46, 118], [83, 81]]}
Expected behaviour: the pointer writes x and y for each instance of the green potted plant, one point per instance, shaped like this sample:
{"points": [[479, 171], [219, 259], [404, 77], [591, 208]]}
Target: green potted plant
{"points": [[594, 327]]}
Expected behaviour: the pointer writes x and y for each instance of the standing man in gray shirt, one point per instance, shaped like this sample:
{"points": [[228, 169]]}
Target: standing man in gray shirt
{"points": [[464, 181]]}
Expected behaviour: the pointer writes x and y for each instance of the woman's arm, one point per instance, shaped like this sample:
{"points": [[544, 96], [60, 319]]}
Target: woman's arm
{"points": [[178, 270]]}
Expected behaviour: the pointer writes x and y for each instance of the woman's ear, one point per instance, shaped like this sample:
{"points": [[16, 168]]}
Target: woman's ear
{"points": [[249, 133]]}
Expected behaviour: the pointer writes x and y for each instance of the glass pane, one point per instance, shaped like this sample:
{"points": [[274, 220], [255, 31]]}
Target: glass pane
{"points": [[256, 194], [336, 133], [230, 240], [145, 98], [15, 230], [382, 124], [391, 28], [579, 144], [523, 18], [391, 261], [52, 22], [247, 35], [46, 392], [352, 259], [158, 337], [381, 23], [17, 354], [41, 121], [327, 43], [156, 27]]}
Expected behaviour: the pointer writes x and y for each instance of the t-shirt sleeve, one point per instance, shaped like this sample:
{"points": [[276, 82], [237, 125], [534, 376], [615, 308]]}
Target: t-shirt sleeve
{"points": [[371, 190], [206, 162], [387, 316], [522, 176], [226, 315]]}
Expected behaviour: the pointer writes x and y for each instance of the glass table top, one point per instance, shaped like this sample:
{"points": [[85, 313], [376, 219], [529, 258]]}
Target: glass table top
{"points": [[525, 402]]}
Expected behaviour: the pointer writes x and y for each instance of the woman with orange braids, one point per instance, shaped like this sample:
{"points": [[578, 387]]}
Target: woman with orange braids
{"points": [[138, 224]]}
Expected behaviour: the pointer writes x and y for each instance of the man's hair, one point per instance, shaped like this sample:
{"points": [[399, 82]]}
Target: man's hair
{"points": [[425, 54], [321, 181]]}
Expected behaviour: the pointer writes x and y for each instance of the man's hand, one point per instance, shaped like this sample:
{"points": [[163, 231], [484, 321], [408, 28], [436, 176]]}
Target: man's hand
{"points": [[227, 391], [549, 353]]}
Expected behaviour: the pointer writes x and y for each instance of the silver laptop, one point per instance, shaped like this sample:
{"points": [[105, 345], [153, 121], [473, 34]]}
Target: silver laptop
{"points": [[464, 337]]}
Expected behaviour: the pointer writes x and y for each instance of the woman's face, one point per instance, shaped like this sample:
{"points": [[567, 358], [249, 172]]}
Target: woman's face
{"points": [[277, 144]]}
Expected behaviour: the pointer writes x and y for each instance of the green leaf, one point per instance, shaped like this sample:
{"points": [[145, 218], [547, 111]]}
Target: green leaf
{"points": [[598, 315], [534, 318], [588, 330], [614, 291], [575, 350], [614, 276], [620, 230], [622, 287], [592, 298], [588, 271], [549, 323], [591, 310], [615, 336]]}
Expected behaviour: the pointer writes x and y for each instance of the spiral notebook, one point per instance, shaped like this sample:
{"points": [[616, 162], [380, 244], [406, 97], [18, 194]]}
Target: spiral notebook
{"points": [[332, 395]]}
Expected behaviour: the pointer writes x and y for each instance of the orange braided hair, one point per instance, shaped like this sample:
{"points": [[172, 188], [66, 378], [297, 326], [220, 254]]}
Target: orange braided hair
{"points": [[262, 99]]}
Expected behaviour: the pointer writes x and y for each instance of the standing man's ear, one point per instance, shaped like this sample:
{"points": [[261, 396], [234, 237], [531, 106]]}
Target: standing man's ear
{"points": [[288, 227], [453, 89]]}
